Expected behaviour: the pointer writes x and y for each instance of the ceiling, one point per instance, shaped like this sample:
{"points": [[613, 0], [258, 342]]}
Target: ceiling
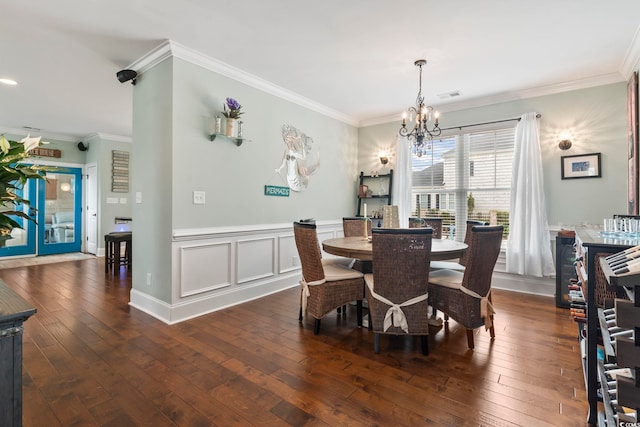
{"points": [[354, 57]]}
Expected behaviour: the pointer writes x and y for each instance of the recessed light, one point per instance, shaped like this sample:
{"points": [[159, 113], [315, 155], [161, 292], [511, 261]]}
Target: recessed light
{"points": [[9, 82]]}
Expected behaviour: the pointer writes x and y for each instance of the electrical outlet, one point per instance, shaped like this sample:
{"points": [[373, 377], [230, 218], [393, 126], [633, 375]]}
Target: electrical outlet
{"points": [[295, 260], [198, 197], [148, 280]]}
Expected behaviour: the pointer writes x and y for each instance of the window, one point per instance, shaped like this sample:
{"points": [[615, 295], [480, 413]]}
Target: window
{"points": [[465, 176]]}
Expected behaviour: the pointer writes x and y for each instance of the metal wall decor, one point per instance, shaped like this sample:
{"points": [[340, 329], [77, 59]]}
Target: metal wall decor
{"points": [[119, 171]]}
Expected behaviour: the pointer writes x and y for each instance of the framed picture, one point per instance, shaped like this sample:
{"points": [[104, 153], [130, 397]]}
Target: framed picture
{"points": [[632, 123], [581, 166]]}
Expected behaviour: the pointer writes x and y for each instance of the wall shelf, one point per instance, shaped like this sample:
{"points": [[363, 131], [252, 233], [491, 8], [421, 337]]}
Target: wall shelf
{"points": [[238, 141]]}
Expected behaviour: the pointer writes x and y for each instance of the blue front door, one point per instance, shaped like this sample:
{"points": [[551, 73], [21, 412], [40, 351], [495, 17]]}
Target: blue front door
{"points": [[60, 212]]}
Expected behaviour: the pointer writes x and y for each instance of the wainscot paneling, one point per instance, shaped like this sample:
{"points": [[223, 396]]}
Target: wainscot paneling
{"points": [[220, 267], [255, 259], [204, 267]]}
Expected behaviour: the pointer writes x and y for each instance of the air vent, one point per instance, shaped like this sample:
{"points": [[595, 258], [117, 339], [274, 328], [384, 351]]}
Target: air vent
{"points": [[31, 128], [449, 94]]}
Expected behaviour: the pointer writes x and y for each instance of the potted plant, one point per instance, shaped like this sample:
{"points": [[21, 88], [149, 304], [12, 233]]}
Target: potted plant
{"points": [[232, 113], [13, 177]]}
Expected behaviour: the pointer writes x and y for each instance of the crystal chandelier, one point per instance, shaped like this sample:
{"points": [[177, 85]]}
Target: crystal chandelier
{"points": [[422, 126]]}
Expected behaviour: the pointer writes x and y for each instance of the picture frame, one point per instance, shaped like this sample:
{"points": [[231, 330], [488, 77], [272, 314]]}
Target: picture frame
{"points": [[632, 126], [581, 166]]}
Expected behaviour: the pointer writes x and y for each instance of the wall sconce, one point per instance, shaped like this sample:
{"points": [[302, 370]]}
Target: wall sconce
{"points": [[384, 158], [565, 140]]}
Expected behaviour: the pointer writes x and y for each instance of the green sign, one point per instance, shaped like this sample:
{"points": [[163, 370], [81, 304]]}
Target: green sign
{"points": [[274, 190]]}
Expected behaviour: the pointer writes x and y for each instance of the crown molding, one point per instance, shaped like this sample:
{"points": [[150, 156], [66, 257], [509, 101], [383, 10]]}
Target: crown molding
{"points": [[585, 83], [170, 48], [631, 61], [97, 137]]}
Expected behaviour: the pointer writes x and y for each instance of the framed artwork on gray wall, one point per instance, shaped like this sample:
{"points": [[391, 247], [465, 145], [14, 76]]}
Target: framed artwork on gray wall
{"points": [[581, 166], [119, 171]]}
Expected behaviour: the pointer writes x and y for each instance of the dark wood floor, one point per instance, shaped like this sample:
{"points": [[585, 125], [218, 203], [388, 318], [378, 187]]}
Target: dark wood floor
{"points": [[90, 359]]}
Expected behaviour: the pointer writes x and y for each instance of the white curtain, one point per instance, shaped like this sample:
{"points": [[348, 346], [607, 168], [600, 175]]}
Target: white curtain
{"points": [[529, 246], [402, 181]]}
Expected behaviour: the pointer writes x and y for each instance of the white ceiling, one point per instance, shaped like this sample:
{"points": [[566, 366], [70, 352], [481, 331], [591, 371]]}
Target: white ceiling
{"points": [[355, 57]]}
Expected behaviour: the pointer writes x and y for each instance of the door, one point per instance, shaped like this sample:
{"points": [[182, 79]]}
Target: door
{"points": [[92, 209], [60, 212], [23, 241]]}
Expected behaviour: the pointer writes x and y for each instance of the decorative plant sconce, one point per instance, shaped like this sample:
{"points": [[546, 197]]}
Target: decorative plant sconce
{"points": [[233, 132], [564, 140]]}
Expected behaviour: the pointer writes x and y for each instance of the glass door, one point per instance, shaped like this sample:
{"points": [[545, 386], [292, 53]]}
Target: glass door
{"points": [[23, 241], [60, 212]]}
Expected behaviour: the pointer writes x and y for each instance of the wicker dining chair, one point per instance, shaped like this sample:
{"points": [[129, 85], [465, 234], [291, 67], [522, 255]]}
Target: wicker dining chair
{"points": [[466, 296], [434, 223], [462, 262], [325, 286], [354, 226], [397, 289]]}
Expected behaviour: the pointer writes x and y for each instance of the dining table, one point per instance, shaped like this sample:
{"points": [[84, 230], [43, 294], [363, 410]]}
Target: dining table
{"points": [[361, 248]]}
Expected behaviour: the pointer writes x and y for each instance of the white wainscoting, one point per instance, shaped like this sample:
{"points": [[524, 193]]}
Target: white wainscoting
{"points": [[216, 268]]}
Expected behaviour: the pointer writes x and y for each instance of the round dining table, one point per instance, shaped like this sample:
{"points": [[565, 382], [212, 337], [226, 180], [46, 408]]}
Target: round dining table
{"points": [[361, 248]]}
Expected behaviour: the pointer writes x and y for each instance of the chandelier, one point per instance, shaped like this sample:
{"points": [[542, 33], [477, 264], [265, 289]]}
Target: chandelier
{"points": [[425, 124]]}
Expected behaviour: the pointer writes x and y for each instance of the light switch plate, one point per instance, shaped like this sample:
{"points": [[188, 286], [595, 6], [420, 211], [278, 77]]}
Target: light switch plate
{"points": [[198, 197], [138, 196]]}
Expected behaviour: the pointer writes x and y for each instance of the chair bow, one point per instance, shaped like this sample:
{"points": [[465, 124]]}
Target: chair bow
{"points": [[486, 309], [306, 293], [395, 316]]}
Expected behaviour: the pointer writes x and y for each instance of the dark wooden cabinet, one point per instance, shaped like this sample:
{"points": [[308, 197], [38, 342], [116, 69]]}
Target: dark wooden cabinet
{"points": [[14, 311]]}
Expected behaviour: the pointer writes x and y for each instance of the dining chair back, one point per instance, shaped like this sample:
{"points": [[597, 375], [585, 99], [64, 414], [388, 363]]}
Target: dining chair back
{"points": [[354, 226], [325, 286], [436, 225], [465, 295], [397, 289]]}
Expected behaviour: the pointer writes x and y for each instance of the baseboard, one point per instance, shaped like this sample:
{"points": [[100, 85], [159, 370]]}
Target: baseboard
{"points": [[195, 307], [526, 284]]}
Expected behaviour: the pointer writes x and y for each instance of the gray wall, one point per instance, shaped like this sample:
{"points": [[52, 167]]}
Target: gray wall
{"points": [[597, 118], [174, 106]]}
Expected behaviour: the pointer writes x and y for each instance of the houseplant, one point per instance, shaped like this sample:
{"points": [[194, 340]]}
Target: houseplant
{"points": [[232, 113], [13, 177]]}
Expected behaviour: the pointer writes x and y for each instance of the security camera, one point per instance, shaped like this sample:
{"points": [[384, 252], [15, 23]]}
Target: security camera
{"points": [[82, 146], [126, 75]]}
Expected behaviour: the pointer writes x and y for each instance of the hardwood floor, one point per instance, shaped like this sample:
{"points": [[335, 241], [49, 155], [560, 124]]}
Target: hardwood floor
{"points": [[89, 359]]}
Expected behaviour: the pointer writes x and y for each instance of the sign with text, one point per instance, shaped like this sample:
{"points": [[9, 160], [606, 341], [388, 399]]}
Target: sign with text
{"points": [[274, 190], [46, 152]]}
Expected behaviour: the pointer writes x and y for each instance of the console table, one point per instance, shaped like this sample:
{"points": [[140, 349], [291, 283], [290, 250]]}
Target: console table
{"points": [[14, 311]]}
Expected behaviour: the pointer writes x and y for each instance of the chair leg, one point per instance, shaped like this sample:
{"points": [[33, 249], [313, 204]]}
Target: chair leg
{"points": [[316, 327], [359, 311], [470, 338], [424, 344], [300, 315], [376, 343], [339, 309], [492, 331]]}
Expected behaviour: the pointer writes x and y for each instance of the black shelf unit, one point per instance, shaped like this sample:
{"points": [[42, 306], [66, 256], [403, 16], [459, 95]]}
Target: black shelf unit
{"points": [[377, 184]]}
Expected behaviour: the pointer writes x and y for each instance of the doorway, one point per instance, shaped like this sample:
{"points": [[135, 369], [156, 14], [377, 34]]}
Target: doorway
{"points": [[58, 212]]}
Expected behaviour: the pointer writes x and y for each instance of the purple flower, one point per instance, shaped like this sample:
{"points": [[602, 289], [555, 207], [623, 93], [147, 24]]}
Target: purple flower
{"points": [[232, 108]]}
